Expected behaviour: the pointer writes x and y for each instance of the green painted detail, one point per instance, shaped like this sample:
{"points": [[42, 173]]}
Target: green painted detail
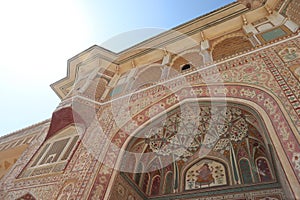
{"points": [[117, 90], [169, 183], [273, 34], [246, 171]]}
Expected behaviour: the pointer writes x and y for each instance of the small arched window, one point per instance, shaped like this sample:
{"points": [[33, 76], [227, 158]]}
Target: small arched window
{"points": [[185, 67]]}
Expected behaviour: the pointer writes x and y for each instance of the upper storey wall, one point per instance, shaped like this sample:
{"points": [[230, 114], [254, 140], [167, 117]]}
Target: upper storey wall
{"points": [[223, 33]]}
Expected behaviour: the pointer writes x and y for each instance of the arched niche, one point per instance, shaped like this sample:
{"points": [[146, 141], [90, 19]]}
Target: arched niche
{"points": [[147, 77], [155, 188], [139, 78], [230, 46], [168, 183], [246, 171], [205, 173], [192, 57]]}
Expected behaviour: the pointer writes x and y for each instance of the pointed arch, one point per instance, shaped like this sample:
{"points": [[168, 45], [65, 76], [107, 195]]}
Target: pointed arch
{"points": [[205, 173], [245, 170], [155, 185], [192, 57], [263, 169], [168, 183], [258, 106], [146, 180], [230, 45]]}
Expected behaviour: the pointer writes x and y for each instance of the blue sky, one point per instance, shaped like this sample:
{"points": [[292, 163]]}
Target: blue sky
{"points": [[38, 37]]}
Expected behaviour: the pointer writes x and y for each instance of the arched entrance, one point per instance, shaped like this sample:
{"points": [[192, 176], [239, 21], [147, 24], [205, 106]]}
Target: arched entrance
{"points": [[268, 109], [204, 150]]}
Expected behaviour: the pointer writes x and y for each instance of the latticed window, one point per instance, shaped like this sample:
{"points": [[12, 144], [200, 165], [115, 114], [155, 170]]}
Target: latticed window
{"points": [[54, 153]]}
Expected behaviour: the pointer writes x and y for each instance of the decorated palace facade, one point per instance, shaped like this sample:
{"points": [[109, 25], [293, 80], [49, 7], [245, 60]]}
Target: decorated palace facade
{"points": [[207, 110]]}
